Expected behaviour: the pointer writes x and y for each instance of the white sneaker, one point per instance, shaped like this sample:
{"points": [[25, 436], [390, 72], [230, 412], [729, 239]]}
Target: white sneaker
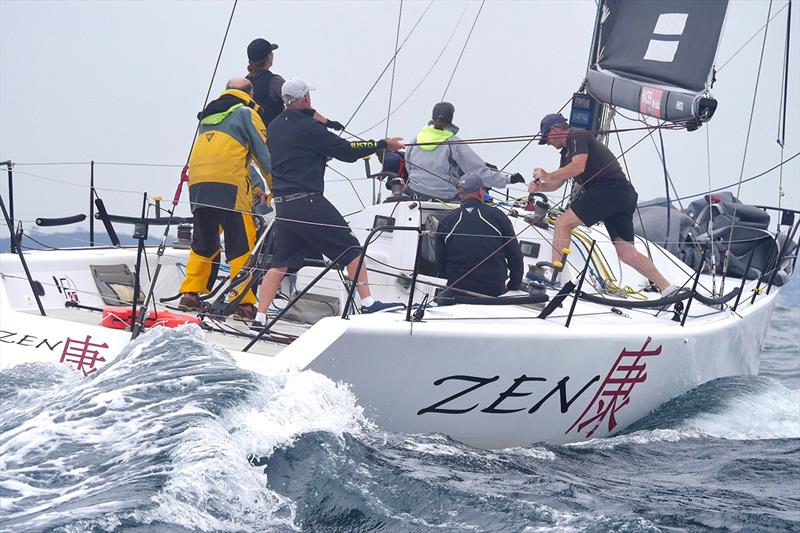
{"points": [[669, 291]]}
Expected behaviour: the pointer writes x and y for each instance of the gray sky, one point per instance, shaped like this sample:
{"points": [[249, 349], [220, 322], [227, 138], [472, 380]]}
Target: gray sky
{"points": [[123, 81]]}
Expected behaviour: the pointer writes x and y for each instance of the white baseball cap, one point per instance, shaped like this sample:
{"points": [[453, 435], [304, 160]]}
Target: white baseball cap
{"points": [[295, 89]]}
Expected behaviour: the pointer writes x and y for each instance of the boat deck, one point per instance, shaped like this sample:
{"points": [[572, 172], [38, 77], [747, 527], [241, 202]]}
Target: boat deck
{"points": [[228, 334]]}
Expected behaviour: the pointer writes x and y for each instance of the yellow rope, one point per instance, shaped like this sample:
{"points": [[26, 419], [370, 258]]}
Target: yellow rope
{"points": [[605, 272]]}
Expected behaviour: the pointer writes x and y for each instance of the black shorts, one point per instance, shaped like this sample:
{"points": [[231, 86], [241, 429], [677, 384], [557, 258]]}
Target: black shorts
{"points": [[612, 203], [307, 227]]}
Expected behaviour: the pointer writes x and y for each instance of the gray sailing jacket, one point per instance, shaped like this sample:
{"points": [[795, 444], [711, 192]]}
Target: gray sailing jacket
{"points": [[436, 171]]}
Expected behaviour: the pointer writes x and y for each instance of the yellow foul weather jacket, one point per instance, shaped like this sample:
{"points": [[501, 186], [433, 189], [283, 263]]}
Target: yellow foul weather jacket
{"points": [[231, 136]]}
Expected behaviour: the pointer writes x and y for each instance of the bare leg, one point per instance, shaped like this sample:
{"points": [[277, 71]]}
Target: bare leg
{"points": [[269, 287], [361, 285], [565, 223], [641, 263]]}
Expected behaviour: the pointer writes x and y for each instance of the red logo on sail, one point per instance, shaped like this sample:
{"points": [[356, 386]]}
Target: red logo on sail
{"points": [[650, 101], [615, 391]]}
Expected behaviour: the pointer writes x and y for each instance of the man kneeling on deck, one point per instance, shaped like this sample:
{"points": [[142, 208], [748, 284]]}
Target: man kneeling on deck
{"points": [[231, 135], [306, 222], [476, 248]]}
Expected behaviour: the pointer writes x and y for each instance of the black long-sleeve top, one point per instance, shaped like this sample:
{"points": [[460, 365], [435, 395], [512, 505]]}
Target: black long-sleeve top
{"points": [[300, 146], [469, 238]]}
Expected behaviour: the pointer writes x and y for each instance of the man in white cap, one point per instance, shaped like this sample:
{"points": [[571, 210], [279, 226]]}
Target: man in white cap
{"points": [[476, 247], [306, 222]]}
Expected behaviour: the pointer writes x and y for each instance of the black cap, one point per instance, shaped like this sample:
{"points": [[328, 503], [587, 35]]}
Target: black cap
{"points": [[553, 119], [444, 111], [259, 49]]}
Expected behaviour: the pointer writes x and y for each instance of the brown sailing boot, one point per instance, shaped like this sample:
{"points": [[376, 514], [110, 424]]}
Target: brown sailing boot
{"points": [[245, 312], [189, 302]]}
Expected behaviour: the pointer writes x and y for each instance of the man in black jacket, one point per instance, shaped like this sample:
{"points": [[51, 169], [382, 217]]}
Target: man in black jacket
{"points": [[306, 222], [476, 248], [266, 84]]}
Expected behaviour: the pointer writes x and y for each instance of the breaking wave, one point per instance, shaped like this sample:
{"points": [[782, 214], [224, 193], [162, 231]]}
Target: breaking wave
{"points": [[160, 435]]}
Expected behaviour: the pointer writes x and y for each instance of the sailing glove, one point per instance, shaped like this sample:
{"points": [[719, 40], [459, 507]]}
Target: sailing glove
{"points": [[334, 125], [516, 177]]}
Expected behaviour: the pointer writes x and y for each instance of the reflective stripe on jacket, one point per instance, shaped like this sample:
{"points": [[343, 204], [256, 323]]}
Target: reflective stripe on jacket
{"points": [[219, 164]]}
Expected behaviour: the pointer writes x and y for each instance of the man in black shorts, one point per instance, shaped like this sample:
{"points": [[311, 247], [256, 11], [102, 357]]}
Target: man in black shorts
{"points": [[306, 222], [606, 195]]}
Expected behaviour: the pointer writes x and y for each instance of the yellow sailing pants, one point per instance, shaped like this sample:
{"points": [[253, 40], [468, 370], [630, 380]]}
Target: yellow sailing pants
{"points": [[240, 234]]}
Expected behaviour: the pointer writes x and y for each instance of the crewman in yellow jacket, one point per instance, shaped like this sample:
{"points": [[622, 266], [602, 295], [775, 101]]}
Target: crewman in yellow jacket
{"points": [[221, 191]]}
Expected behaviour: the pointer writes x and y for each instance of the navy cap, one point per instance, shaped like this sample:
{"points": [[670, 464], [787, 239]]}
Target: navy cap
{"points": [[553, 119], [259, 49], [444, 111], [470, 182]]}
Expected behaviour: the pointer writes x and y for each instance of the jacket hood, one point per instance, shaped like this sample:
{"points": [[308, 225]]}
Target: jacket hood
{"points": [[429, 134], [217, 110]]}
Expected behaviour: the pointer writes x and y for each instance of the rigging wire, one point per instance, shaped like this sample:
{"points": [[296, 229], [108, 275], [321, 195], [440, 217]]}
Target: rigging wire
{"points": [[531, 141], [666, 176], [363, 100], [394, 68], [425, 77], [136, 328], [638, 211], [376, 198], [463, 49], [746, 144], [751, 178], [710, 218], [781, 140], [350, 181], [753, 36]]}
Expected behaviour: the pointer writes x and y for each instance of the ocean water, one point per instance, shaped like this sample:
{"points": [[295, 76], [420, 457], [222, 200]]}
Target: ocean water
{"points": [[172, 436]]}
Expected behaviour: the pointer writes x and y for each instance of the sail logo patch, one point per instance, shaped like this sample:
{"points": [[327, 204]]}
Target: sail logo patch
{"points": [[209, 136], [650, 100], [669, 25]]}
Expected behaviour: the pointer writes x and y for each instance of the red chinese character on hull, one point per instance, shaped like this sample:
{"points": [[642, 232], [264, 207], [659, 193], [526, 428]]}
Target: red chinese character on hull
{"points": [[82, 355], [615, 391]]}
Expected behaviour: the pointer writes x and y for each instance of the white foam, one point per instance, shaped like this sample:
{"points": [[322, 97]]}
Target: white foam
{"points": [[212, 476], [772, 414], [542, 454], [294, 403], [210, 485]]}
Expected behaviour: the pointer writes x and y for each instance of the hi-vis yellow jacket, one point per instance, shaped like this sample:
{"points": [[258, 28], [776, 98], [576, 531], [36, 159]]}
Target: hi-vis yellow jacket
{"points": [[231, 136]]}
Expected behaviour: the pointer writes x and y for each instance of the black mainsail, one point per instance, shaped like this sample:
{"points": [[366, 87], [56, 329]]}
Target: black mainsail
{"points": [[656, 58]]}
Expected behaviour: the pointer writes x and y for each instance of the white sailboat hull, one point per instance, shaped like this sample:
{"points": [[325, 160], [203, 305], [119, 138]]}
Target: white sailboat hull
{"points": [[496, 387], [490, 376]]}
